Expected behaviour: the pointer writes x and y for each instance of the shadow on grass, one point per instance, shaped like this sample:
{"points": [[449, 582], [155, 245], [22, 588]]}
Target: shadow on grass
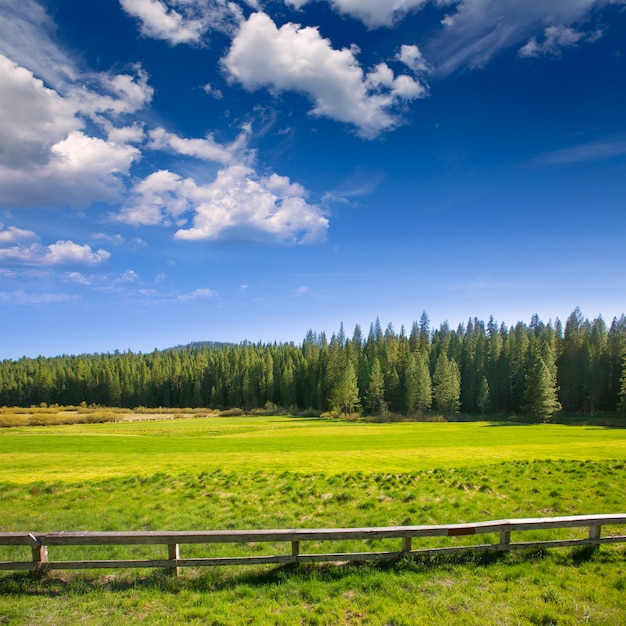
{"points": [[78, 583]]}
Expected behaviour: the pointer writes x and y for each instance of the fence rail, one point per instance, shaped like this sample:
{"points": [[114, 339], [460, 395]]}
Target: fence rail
{"points": [[40, 562]]}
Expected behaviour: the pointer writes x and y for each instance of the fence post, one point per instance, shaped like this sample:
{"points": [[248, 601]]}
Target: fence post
{"points": [[295, 550], [505, 541], [406, 544], [594, 535], [40, 555], [173, 554]]}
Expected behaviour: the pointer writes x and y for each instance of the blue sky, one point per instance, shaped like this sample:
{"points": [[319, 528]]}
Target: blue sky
{"points": [[175, 171]]}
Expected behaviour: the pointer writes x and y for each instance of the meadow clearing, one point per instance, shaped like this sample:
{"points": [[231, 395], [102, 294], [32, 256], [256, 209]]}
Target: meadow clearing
{"points": [[284, 472]]}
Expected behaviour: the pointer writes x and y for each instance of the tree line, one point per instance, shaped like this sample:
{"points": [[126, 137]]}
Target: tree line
{"points": [[534, 369]]}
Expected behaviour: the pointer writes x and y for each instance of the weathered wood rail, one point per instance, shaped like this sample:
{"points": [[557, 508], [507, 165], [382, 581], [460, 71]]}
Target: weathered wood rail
{"points": [[40, 562]]}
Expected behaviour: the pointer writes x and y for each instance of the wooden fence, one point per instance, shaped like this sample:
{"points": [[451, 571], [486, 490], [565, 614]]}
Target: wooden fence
{"points": [[40, 561]]}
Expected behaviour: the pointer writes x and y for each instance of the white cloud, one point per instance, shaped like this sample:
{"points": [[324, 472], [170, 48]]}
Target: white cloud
{"points": [[27, 35], [182, 21], [45, 156], [117, 94], [20, 297], [64, 141], [206, 149], [159, 197], [303, 290], [198, 294], [78, 279], [59, 253], [238, 205], [475, 30], [32, 117], [114, 239], [299, 59], [555, 38], [412, 57], [13, 234], [125, 134], [241, 206], [129, 276], [162, 22], [584, 153], [212, 91], [371, 12]]}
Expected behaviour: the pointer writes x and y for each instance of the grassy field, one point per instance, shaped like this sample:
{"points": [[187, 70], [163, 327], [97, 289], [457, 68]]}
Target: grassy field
{"points": [[264, 472]]}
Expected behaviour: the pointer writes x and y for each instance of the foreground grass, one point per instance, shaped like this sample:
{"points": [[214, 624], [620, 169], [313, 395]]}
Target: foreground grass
{"points": [[264, 473], [531, 589]]}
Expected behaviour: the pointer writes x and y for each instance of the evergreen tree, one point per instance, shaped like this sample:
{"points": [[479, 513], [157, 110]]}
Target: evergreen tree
{"points": [[482, 399], [541, 392], [418, 386], [622, 394], [446, 385], [375, 396], [345, 394]]}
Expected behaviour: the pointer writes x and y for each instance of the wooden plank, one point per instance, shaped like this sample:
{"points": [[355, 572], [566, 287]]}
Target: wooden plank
{"points": [[15, 539], [612, 539], [16, 565], [554, 543], [322, 534]]}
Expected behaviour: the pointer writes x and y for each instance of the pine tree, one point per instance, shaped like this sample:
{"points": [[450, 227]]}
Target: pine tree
{"points": [[418, 386], [447, 385], [345, 394], [482, 398], [375, 396], [541, 392], [622, 393]]}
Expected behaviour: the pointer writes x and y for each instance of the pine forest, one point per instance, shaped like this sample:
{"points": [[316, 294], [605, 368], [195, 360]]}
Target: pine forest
{"points": [[534, 369]]}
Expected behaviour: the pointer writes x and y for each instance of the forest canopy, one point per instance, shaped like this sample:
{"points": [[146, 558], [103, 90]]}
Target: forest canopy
{"points": [[534, 369]]}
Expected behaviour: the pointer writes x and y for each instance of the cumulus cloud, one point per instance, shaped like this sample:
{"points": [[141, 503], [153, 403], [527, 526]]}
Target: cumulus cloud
{"points": [[115, 94], [238, 205], [475, 30], [182, 21], [59, 253], [372, 12], [300, 59], [412, 57], [46, 158], [241, 206], [13, 234], [159, 198], [32, 117]]}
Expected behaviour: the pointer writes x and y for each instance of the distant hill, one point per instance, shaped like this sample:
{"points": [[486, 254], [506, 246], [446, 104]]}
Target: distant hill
{"points": [[198, 345]]}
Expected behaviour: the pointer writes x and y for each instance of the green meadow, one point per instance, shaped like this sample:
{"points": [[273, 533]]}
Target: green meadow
{"points": [[285, 472]]}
